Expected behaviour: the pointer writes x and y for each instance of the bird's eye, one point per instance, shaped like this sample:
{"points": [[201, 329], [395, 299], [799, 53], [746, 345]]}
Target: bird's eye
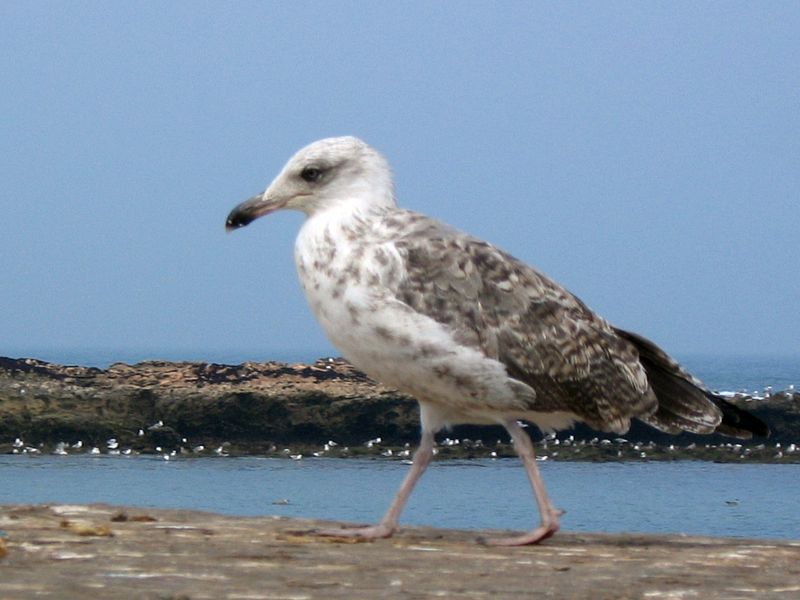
{"points": [[311, 174]]}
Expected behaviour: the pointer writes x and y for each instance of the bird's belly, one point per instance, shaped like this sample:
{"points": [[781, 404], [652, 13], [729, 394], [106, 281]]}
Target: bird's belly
{"points": [[412, 353]]}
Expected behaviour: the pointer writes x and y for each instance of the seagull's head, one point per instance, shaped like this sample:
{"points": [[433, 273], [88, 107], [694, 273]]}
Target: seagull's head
{"points": [[329, 173]]}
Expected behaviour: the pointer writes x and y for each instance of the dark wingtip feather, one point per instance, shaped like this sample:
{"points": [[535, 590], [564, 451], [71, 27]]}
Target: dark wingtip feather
{"points": [[682, 398], [737, 422]]}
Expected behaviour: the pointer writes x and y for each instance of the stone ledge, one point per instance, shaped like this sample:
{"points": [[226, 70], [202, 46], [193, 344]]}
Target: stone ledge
{"points": [[101, 551]]}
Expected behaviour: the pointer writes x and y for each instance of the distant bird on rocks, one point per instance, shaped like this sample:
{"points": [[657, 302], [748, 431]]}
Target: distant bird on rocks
{"points": [[475, 335]]}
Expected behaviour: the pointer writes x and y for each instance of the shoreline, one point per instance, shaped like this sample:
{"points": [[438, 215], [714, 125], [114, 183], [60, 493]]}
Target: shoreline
{"points": [[578, 451]]}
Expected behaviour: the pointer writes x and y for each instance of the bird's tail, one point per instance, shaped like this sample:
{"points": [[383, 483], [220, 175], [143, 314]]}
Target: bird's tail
{"points": [[684, 403], [737, 422]]}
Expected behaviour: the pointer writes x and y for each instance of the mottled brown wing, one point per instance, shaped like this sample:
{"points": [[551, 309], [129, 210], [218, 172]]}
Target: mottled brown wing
{"points": [[544, 335]]}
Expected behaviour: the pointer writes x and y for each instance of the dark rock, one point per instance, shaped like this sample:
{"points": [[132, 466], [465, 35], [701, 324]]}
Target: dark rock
{"points": [[258, 406]]}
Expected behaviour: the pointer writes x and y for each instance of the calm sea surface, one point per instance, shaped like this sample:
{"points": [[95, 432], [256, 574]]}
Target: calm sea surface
{"points": [[684, 497]]}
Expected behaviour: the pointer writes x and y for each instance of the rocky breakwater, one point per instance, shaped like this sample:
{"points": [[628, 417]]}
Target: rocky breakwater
{"points": [[250, 407], [325, 408]]}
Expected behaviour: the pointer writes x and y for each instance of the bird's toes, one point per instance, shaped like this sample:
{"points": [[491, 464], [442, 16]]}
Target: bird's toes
{"points": [[533, 537]]}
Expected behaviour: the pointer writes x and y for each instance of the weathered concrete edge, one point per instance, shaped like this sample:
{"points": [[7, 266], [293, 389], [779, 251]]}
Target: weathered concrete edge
{"points": [[127, 552]]}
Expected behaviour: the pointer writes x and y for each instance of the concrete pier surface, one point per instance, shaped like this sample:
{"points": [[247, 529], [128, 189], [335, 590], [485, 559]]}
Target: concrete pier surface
{"points": [[101, 551]]}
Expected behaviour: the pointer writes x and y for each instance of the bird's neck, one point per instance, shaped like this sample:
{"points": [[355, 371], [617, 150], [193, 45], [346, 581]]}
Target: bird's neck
{"points": [[339, 222], [351, 209]]}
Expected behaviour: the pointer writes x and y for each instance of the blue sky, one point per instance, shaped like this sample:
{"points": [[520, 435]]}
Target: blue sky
{"points": [[645, 155]]}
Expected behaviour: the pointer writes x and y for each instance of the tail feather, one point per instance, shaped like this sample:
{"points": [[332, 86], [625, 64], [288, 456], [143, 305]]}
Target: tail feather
{"points": [[684, 403], [737, 422]]}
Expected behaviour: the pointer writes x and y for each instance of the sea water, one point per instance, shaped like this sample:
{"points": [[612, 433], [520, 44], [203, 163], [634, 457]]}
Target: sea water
{"points": [[662, 497]]}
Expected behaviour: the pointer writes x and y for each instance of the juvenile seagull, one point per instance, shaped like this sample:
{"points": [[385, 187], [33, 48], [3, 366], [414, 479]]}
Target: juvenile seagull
{"points": [[475, 335]]}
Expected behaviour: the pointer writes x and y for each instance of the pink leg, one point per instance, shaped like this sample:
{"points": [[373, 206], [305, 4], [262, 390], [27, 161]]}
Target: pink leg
{"points": [[388, 524], [549, 514]]}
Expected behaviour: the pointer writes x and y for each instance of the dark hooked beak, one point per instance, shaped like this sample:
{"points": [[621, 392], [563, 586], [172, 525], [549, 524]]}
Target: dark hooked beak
{"points": [[249, 210]]}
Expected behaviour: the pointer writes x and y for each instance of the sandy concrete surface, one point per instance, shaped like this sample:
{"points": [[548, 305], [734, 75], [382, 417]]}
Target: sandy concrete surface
{"points": [[100, 551]]}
